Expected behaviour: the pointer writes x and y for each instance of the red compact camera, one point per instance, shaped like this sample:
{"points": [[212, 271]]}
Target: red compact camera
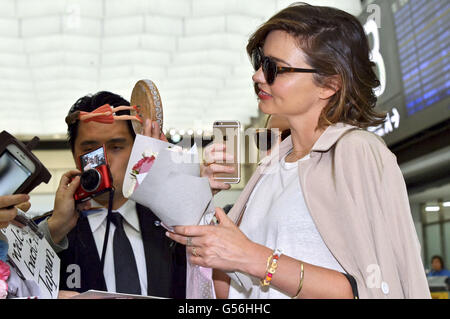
{"points": [[96, 177]]}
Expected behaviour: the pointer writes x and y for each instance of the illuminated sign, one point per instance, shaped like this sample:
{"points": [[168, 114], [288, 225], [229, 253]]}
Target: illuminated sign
{"points": [[371, 28], [410, 45], [392, 122]]}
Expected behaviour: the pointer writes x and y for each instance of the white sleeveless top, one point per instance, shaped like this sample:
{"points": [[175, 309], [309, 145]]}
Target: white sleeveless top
{"points": [[277, 217]]}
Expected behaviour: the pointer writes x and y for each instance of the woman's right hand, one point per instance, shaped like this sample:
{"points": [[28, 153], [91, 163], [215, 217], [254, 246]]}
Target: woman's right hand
{"points": [[214, 156], [7, 215]]}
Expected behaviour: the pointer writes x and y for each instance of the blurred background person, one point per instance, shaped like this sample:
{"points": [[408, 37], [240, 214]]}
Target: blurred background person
{"points": [[438, 267]]}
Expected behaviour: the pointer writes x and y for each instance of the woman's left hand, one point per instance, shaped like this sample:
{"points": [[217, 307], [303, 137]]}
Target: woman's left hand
{"points": [[221, 246]]}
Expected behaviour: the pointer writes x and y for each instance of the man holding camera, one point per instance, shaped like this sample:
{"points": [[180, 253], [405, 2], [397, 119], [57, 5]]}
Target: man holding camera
{"points": [[78, 231]]}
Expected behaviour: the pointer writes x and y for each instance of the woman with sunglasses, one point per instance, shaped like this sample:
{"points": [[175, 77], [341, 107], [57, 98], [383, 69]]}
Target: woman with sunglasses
{"points": [[327, 216]]}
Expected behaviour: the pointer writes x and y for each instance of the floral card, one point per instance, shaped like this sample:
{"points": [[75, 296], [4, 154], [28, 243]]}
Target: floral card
{"points": [[166, 179]]}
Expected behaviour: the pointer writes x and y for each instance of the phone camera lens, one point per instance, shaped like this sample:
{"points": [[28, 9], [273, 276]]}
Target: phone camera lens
{"points": [[90, 180]]}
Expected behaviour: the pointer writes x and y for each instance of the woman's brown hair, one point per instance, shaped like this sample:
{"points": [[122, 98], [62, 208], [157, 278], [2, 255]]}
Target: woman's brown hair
{"points": [[335, 44]]}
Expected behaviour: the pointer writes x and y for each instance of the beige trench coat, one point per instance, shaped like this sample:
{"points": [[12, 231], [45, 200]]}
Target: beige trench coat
{"points": [[356, 195]]}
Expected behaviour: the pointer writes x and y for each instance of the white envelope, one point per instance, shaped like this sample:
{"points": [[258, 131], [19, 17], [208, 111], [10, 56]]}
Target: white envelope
{"points": [[173, 188]]}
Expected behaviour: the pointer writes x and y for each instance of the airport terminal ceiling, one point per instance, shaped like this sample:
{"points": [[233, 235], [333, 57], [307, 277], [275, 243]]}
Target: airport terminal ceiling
{"points": [[54, 51]]}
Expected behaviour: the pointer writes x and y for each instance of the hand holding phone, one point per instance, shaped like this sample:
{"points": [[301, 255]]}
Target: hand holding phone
{"points": [[20, 172], [228, 134], [215, 153]]}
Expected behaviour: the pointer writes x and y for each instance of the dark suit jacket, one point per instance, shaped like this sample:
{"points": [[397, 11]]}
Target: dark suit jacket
{"points": [[166, 260]]}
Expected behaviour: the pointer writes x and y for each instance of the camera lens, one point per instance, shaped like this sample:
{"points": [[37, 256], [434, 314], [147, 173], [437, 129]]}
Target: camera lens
{"points": [[90, 180]]}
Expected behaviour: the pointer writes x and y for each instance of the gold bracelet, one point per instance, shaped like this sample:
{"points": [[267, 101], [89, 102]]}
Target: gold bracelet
{"points": [[300, 285]]}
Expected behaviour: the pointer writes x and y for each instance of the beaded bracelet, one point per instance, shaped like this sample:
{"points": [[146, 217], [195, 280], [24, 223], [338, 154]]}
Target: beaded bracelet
{"points": [[272, 264]]}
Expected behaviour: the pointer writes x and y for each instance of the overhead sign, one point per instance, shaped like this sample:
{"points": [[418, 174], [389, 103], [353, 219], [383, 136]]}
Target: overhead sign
{"points": [[410, 46]]}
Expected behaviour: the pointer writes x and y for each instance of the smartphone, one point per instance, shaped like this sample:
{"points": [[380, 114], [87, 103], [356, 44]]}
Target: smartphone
{"points": [[15, 168], [229, 133]]}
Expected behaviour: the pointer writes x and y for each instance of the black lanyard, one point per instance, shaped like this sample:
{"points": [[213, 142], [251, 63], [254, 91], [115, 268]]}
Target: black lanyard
{"points": [[108, 222]]}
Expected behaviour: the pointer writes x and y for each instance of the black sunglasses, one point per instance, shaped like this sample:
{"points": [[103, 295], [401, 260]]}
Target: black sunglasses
{"points": [[270, 67]]}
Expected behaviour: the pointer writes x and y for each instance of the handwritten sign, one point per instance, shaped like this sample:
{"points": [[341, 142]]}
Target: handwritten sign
{"points": [[35, 259]]}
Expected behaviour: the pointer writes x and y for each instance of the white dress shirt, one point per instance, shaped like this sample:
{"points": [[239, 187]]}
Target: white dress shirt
{"points": [[97, 222]]}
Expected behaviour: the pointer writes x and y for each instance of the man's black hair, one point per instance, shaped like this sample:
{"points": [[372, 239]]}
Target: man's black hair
{"points": [[89, 103]]}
